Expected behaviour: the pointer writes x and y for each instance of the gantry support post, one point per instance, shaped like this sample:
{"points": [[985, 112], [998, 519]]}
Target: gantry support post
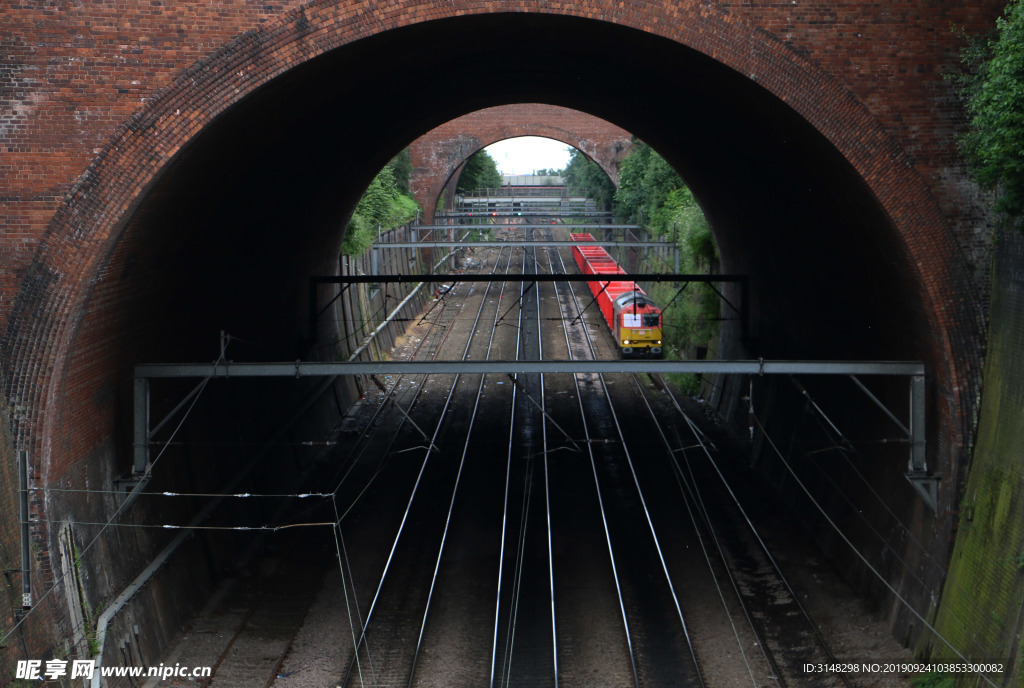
{"points": [[140, 440], [26, 531], [140, 433], [927, 485]]}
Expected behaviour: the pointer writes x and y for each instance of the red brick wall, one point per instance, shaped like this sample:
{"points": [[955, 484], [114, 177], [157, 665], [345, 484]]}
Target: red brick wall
{"points": [[97, 97], [78, 70], [436, 155]]}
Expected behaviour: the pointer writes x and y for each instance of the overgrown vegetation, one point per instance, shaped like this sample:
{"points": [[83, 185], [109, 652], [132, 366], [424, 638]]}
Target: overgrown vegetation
{"points": [[479, 172], [993, 87], [387, 203], [584, 173], [933, 680], [652, 194]]}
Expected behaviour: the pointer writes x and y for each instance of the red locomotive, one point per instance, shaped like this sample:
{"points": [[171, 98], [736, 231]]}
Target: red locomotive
{"points": [[633, 318]]}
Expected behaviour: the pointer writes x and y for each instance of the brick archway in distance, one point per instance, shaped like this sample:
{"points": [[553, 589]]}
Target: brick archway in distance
{"points": [[176, 171], [437, 155]]}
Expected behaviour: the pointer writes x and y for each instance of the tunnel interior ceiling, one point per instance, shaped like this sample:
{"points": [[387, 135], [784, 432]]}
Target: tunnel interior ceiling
{"points": [[256, 203]]}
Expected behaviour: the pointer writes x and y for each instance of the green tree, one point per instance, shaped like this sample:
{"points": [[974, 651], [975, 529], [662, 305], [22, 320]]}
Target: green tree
{"points": [[383, 205], [652, 193], [584, 173], [650, 190], [401, 167], [479, 172], [994, 145]]}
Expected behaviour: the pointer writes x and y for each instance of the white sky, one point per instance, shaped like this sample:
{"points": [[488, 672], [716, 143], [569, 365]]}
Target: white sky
{"points": [[525, 154]]}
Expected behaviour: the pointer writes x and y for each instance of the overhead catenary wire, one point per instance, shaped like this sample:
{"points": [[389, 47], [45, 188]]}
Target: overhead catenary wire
{"points": [[521, 542], [197, 393], [225, 495], [761, 542], [600, 501], [691, 487], [547, 489], [265, 527], [861, 556], [643, 503], [827, 427], [342, 560], [455, 490], [408, 508], [186, 526], [111, 522], [183, 534]]}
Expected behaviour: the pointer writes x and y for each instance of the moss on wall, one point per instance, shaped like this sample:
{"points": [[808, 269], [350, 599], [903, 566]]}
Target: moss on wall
{"points": [[983, 598]]}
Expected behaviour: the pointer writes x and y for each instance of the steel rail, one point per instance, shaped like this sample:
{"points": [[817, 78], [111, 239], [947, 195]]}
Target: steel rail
{"points": [[385, 454], [698, 514], [696, 500], [366, 432], [523, 529], [741, 280], [458, 475], [390, 396], [504, 528], [600, 499], [405, 516], [547, 486], [643, 502], [757, 536]]}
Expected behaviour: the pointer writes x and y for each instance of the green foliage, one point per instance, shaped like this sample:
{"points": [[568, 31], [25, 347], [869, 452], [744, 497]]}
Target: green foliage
{"points": [[933, 680], [692, 318], [584, 173], [653, 195], [401, 167], [994, 87], [646, 186], [383, 205], [479, 172]]}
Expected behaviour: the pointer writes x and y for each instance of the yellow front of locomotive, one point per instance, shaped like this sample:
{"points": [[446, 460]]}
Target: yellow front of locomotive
{"points": [[640, 332]]}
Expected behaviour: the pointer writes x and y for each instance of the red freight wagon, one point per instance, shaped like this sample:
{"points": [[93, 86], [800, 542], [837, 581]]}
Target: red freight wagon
{"points": [[632, 317]]}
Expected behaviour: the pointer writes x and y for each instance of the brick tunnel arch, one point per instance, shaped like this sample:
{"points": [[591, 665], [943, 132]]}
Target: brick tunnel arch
{"points": [[438, 155], [271, 161]]}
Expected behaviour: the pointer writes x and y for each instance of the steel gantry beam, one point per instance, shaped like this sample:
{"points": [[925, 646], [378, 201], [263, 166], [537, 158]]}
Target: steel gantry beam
{"points": [[510, 225], [743, 310], [923, 482], [536, 277], [428, 243], [321, 368], [528, 213]]}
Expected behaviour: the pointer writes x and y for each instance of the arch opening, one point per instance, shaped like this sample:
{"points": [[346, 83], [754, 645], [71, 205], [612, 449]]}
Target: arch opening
{"points": [[228, 234]]}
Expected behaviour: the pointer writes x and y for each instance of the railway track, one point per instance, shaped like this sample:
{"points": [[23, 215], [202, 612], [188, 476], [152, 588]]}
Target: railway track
{"points": [[548, 530], [395, 631], [581, 589], [654, 626], [786, 634]]}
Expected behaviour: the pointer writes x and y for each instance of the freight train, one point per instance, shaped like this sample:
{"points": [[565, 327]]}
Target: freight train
{"points": [[633, 318]]}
